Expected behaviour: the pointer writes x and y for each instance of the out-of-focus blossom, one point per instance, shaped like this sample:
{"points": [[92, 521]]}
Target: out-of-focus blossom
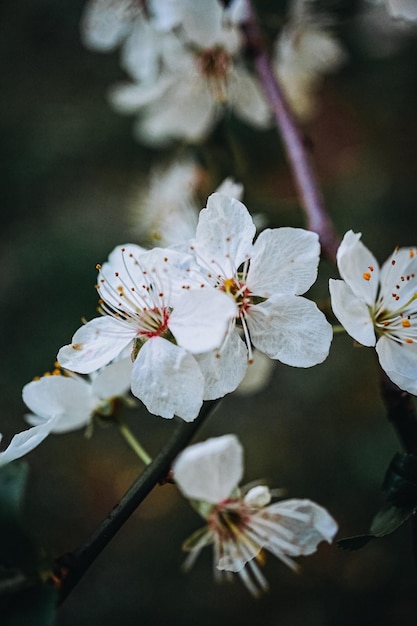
{"points": [[241, 524], [403, 9], [166, 213], [153, 303], [265, 280], [381, 34], [202, 74], [305, 52], [378, 306], [71, 400]]}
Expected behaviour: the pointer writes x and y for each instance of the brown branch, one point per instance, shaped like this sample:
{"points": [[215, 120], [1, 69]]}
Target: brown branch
{"points": [[71, 567]]}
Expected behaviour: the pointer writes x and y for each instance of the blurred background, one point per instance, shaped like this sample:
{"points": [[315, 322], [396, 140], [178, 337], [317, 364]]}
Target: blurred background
{"points": [[70, 168]]}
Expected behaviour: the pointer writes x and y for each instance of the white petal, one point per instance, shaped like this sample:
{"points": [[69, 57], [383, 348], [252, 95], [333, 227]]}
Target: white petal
{"points": [[230, 188], [224, 235], [258, 496], [113, 380], [126, 98], [398, 279], [403, 9], [105, 23], [210, 470], [399, 361], [95, 344], [308, 522], [168, 380], [223, 370], [67, 399], [248, 100], [25, 442], [358, 267], [186, 110], [352, 313], [140, 52], [284, 260], [201, 318], [202, 24], [290, 329]]}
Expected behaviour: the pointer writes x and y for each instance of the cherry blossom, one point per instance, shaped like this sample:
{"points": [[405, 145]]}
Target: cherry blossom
{"points": [[241, 524], [202, 73], [377, 306], [154, 305], [265, 280], [165, 212], [71, 400], [304, 52]]}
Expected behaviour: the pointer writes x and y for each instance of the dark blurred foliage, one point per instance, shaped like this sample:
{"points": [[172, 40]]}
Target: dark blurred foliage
{"points": [[69, 164]]}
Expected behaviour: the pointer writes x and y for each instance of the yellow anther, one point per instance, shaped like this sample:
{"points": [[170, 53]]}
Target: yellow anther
{"points": [[408, 340], [366, 276], [406, 323]]}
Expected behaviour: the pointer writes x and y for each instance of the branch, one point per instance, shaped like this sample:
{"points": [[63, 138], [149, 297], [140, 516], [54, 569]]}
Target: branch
{"points": [[70, 568], [295, 144]]}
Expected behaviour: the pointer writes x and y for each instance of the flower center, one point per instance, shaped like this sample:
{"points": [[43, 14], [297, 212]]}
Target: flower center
{"points": [[239, 292], [214, 64]]}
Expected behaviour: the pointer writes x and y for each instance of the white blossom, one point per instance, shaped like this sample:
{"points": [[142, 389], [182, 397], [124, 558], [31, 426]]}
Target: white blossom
{"points": [[241, 525], [165, 213], [156, 306], [377, 306], [72, 400], [202, 73], [304, 52], [265, 279]]}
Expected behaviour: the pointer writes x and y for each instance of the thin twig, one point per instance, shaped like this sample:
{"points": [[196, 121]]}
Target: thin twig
{"points": [[295, 143], [70, 568]]}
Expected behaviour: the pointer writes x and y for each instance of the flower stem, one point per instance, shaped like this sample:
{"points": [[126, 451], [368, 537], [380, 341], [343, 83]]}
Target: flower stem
{"points": [[296, 145], [131, 440], [71, 567]]}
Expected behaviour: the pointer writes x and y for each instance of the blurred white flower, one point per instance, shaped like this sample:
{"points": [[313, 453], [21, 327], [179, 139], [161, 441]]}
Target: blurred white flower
{"points": [[153, 303], [265, 279], [71, 400], [166, 212], [241, 525], [378, 307], [304, 52], [201, 74], [403, 9]]}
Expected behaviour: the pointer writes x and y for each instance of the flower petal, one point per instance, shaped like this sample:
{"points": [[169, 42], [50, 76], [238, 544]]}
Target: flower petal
{"points": [[168, 380], [284, 260], [201, 318], [95, 344], [399, 361], [105, 23], [224, 235], [290, 329], [113, 380], [352, 313], [224, 369], [25, 442], [358, 268], [69, 400], [307, 522], [247, 99], [210, 470]]}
